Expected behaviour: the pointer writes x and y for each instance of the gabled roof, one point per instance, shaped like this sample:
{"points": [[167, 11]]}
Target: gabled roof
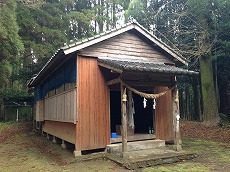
{"points": [[101, 37], [114, 32], [142, 66]]}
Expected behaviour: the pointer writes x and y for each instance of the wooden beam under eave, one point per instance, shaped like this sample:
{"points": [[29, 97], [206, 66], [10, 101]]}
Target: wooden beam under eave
{"points": [[148, 84], [110, 67], [114, 81]]}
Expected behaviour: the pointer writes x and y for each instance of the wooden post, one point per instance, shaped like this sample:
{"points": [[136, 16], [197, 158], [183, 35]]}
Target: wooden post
{"points": [[124, 120], [176, 117], [4, 113], [17, 115]]}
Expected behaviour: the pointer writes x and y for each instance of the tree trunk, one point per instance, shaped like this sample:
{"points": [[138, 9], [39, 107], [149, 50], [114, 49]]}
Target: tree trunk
{"points": [[95, 20], [196, 98], [225, 98], [2, 116], [187, 103], [114, 15], [210, 108], [100, 13], [181, 104], [107, 15]]}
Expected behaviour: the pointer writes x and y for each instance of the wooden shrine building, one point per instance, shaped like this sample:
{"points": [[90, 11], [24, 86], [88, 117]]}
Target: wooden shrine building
{"points": [[81, 93]]}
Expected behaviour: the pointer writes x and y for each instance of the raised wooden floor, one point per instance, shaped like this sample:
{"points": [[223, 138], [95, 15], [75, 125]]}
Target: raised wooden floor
{"points": [[135, 137]]}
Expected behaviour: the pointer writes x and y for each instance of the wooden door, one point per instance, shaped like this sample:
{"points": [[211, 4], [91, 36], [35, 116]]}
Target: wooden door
{"points": [[164, 115]]}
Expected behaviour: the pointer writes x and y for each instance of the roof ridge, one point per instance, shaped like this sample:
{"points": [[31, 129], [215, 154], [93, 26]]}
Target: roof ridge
{"points": [[99, 34]]}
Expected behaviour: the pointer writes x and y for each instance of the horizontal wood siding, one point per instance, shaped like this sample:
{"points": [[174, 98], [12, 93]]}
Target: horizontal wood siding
{"points": [[125, 46], [62, 130], [93, 120], [164, 115], [61, 107]]}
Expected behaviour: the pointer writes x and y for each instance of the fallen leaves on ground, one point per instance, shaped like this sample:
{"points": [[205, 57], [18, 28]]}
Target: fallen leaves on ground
{"points": [[198, 130]]}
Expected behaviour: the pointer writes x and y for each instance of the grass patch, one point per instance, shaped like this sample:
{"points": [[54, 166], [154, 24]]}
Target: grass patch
{"points": [[214, 151], [210, 154], [182, 167], [4, 125], [25, 151]]}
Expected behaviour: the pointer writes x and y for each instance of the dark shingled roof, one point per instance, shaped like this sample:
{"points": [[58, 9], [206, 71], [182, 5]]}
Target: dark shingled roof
{"points": [[145, 66]]}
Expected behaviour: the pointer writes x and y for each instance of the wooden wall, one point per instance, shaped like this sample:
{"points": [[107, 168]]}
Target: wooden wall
{"points": [[63, 130], [39, 110], [164, 115], [93, 120], [61, 107], [125, 46]]}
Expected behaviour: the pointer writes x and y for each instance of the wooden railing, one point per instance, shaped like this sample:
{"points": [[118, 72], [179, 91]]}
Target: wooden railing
{"points": [[61, 107]]}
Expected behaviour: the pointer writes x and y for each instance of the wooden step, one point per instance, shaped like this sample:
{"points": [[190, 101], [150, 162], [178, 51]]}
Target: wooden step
{"points": [[137, 145]]}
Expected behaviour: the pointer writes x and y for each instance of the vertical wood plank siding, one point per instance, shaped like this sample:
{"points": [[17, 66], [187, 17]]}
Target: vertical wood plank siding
{"points": [[93, 119], [40, 110], [61, 107], [125, 46], [164, 116]]}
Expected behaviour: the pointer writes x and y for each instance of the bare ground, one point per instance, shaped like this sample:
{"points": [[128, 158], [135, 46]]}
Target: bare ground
{"points": [[22, 150], [196, 130]]}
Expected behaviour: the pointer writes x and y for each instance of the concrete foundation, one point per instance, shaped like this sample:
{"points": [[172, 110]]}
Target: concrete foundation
{"points": [[54, 140], [177, 147], [76, 153], [63, 145], [135, 146], [150, 157], [47, 136]]}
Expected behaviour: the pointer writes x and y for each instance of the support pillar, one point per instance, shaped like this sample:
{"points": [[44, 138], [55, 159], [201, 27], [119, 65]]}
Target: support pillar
{"points": [[76, 152], [176, 118], [124, 120], [54, 139], [63, 145], [47, 136], [17, 116], [43, 133]]}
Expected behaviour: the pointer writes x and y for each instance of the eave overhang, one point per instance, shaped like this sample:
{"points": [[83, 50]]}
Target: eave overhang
{"points": [[122, 66]]}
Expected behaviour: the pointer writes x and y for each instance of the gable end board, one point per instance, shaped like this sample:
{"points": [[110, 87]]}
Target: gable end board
{"points": [[160, 44], [96, 39], [130, 46], [125, 28]]}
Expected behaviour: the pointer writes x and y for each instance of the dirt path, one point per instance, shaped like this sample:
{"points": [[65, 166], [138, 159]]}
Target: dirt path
{"points": [[22, 150]]}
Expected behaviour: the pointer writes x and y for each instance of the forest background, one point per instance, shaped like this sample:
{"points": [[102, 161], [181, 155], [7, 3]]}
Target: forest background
{"points": [[31, 31]]}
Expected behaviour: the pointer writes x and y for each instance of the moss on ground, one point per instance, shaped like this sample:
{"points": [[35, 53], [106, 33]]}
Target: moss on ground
{"points": [[182, 167], [214, 151], [211, 156]]}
